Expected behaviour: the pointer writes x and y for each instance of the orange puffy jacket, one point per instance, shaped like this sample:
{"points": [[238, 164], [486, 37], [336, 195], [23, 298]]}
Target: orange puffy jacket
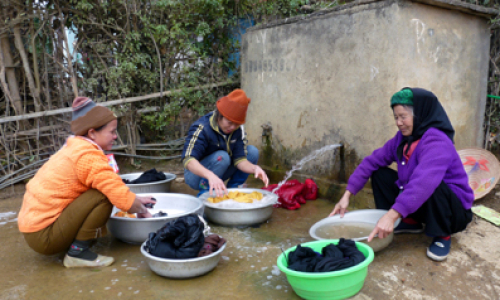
{"points": [[77, 167]]}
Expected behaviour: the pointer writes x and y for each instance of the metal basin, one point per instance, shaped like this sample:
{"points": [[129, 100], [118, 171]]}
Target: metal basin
{"points": [[182, 268], [238, 216], [162, 186], [370, 216], [136, 231]]}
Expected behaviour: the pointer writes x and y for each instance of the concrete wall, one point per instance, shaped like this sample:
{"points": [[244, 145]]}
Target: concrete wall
{"points": [[329, 78]]}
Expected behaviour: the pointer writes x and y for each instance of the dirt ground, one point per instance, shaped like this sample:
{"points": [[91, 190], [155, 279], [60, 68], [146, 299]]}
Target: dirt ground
{"points": [[248, 269]]}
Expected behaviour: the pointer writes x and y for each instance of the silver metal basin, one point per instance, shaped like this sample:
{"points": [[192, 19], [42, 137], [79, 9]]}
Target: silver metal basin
{"points": [[162, 186], [238, 216], [136, 231], [182, 268], [370, 216]]}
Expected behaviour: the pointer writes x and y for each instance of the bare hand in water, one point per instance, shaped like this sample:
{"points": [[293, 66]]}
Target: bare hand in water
{"points": [[341, 206]]}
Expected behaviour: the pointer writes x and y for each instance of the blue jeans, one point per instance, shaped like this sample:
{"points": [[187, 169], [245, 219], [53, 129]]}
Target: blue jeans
{"points": [[220, 163]]}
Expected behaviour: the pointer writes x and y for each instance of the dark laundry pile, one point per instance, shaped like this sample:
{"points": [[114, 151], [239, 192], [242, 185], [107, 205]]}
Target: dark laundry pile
{"points": [[182, 238], [332, 257], [147, 177], [293, 193]]}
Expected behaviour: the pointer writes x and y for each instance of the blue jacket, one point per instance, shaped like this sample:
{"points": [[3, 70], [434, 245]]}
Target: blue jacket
{"points": [[204, 138]]}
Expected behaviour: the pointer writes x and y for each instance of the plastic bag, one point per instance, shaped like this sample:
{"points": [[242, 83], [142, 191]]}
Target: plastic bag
{"points": [[181, 238]]}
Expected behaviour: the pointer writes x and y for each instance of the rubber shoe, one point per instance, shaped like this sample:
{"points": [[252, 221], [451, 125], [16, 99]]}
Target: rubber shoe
{"points": [[409, 228], [100, 261], [439, 249]]}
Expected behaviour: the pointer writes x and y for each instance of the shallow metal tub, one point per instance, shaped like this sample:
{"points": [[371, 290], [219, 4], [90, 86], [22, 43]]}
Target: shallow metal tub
{"points": [[162, 186], [370, 216], [183, 268], [238, 216], [134, 230]]}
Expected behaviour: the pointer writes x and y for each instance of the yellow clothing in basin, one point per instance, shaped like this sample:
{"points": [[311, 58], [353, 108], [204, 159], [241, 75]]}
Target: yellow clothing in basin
{"points": [[238, 197], [78, 166]]}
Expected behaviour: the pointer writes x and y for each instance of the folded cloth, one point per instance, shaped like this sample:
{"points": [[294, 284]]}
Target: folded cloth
{"points": [[332, 257], [146, 177], [212, 244]]}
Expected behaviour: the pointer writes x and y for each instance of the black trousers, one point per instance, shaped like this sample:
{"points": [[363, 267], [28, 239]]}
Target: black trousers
{"points": [[443, 213]]}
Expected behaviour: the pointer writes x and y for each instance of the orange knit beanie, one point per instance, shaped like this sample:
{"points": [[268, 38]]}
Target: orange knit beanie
{"points": [[234, 106]]}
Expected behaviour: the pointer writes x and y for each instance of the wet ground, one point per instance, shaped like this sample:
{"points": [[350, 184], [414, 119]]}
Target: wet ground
{"points": [[248, 269]]}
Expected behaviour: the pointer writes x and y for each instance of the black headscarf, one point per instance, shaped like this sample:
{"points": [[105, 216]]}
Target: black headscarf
{"points": [[427, 113]]}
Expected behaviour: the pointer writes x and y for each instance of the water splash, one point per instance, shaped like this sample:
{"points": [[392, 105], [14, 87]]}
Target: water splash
{"points": [[303, 161]]}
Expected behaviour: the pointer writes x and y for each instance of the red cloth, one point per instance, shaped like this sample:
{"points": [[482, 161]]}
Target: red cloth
{"points": [[293, 193], [212, 244]]}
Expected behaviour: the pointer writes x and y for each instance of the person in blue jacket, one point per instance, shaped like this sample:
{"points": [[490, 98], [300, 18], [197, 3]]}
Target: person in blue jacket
{"points": [[216, 148]]}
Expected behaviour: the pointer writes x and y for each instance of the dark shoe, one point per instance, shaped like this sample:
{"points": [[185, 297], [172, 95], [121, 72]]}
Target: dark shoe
{"points": [[439, 249], [409, 228]]}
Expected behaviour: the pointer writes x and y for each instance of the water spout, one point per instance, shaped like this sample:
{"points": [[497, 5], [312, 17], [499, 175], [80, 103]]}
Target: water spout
{"points": [[303, 161]]}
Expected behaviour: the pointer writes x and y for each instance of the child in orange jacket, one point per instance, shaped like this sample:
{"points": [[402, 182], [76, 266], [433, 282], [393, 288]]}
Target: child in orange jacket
{"points": [[68, 202]]}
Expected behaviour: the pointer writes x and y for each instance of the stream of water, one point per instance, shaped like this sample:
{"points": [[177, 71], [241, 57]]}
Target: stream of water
{"points": [[306, 159]]}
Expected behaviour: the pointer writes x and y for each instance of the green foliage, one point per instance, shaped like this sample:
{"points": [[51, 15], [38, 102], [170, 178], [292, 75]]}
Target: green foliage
{"points": [[136, 48]]}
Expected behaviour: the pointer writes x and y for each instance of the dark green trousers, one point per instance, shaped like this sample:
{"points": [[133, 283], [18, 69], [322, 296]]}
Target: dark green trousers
{"points": [[84, 219]]}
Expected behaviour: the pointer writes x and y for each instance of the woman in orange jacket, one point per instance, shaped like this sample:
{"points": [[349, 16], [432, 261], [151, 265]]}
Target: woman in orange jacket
{"points": [[68, 202]]}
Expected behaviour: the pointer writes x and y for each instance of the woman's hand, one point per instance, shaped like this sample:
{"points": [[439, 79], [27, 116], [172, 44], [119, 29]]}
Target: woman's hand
{"points": [[385, 225], [217, 185], [139, 208], [259, 173], [341, 206]]}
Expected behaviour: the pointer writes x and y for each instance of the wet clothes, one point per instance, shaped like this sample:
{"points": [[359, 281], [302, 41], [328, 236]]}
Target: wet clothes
{"points": [[147, 177], [181, 238], [443, 213], [212, 244], [332, 258]]}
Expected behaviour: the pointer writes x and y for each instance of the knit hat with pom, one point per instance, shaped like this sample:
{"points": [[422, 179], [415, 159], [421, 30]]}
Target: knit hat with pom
{"points": [[87, 115]]}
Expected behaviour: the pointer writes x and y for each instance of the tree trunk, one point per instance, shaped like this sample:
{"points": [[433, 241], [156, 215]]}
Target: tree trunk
{"points": [[10, 73], [69, 57], [27, 70], [35, 54]]}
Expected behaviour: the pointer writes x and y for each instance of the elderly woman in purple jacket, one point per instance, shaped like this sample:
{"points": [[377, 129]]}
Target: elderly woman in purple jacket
{"points": [[430, 186]]}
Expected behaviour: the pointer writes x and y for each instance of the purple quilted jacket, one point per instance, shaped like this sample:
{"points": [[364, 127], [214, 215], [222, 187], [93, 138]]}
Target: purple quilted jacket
{"points": [[435, 159]]}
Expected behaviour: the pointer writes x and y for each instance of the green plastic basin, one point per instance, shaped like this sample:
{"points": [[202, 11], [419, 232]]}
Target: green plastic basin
{"points": [[340, 284]]}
